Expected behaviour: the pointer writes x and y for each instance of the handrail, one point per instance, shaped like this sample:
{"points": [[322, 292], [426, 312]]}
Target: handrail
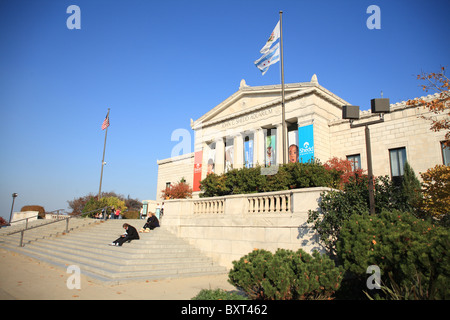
{"points": [[23, 219], [45, 224]]}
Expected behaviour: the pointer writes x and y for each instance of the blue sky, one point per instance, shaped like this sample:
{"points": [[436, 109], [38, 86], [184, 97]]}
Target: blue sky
{"points": [[157, 64]]}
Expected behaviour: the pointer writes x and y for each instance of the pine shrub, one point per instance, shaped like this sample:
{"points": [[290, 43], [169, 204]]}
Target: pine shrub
{"points": [[404, 247], [286, 275], [218, 294]]}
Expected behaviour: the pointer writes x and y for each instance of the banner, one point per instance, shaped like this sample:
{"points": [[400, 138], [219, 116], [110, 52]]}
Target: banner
{"points": [[248, 153], [211, 158], [270, 156], [306, 143], [197, 170], [293, 146], [229, 155]]}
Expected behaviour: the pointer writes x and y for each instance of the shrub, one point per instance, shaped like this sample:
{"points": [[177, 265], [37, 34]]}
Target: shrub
{"points": [[342, 171], [94, 206], [337, 206], [250, 180], [3, 222], [181, 190], [218, 294], [436, 191], [130, 214], [286, 275], [39, 209], [404, 247]]}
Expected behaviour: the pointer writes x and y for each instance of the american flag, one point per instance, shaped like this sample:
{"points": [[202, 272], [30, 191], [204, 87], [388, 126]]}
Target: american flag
{"points": [[105, 123]]}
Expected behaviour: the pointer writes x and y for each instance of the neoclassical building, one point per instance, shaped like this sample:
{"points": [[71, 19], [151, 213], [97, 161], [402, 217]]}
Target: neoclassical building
{"points": [[245, 130]]}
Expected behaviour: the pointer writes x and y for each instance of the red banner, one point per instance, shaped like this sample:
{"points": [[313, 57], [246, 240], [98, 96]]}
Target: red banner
{"points": [[198, 159]]}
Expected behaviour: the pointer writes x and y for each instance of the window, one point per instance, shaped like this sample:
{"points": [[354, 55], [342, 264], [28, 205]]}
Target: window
{"points": [[397, 158], [356, 161], [445, 154], [167, 185]]}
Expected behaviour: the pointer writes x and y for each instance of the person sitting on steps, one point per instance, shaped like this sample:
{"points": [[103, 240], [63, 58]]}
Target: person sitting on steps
{"points": [[152, 223], [130, 234]]}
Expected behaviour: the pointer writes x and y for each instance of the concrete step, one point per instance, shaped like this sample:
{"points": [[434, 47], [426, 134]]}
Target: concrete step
{"points": [[158, 254]]}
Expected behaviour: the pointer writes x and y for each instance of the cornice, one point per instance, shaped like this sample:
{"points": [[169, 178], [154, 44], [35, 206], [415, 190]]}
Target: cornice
{"points": [[395, 107]]}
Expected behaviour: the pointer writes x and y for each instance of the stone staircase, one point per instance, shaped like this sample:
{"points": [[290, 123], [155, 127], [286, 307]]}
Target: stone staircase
{"points": [[157, 255]]}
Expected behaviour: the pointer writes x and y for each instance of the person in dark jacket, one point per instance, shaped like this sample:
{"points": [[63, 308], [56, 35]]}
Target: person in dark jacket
{"points": [[130, 234], [152, 223]]}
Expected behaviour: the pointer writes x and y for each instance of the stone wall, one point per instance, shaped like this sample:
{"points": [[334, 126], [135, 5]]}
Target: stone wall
{"points": [[172, 170], [227, 228]]}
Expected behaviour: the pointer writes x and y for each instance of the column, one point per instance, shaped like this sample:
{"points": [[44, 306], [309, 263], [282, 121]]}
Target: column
{"points": [[220, 156], [239, 151], [259, 147]]}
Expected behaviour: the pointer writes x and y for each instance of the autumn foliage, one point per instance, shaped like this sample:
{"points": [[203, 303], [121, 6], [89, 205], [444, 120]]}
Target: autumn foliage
{"points": [[436, 191], [345, 169], [439, 106], [181, 190]]}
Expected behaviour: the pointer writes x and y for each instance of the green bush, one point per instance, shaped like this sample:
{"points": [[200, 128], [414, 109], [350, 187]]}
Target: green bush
{"points": [[218, 294], [403, 247], [337, 206], [250, 180], [286, 275]]}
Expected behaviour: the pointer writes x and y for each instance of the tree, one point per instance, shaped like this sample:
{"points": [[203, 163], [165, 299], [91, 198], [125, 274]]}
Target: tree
{"points": [[94, 205], [344, 169], [436, 192], [407, 193], [181, 190], [3, 222], [440, 105], [78, 204]]}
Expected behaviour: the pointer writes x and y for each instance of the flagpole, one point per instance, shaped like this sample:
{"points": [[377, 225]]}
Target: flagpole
{"points": [[103, 160], [283, 120]]}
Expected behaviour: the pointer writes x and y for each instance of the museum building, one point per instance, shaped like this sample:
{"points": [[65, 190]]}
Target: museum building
{"points": [[245, 130]]}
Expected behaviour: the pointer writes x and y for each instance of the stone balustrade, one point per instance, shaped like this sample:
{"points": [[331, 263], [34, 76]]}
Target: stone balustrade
{"points": [[229, 227]]}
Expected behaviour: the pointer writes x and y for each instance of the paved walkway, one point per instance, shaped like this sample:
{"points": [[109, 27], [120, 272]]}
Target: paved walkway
{"points": [[23, 278]]}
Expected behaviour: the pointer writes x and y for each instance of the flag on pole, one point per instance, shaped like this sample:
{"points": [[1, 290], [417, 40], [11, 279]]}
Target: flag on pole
{"points": [[271, 57], [105, 123], [273, 37], [270, 51]]}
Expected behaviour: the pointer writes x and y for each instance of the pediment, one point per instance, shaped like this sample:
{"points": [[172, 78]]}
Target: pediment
{"points": [[246, 99], [250, 99]]}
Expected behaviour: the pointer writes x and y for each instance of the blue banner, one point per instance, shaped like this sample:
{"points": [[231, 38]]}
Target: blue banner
{"points": [[306, 143], [248, 153]]}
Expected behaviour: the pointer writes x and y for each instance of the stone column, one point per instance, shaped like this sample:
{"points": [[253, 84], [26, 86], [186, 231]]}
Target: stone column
{"points": [[259, 147], [238, 151], [220, 156]]}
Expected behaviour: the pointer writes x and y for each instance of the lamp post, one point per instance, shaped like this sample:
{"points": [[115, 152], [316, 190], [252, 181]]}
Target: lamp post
{"points": [[380, 106], [14, 195]]}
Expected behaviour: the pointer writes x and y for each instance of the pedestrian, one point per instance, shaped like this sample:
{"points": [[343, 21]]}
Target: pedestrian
{"points": [[130, 234]]}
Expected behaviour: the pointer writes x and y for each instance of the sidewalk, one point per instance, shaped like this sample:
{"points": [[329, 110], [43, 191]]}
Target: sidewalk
{"points": [[25, 278]]}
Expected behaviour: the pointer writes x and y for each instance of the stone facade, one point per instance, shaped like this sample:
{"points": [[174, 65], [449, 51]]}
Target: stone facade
{"points": [[252, 114], [245, 129]]}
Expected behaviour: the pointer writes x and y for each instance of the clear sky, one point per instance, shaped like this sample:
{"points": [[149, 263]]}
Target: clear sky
{"points": [[157, 64]]}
